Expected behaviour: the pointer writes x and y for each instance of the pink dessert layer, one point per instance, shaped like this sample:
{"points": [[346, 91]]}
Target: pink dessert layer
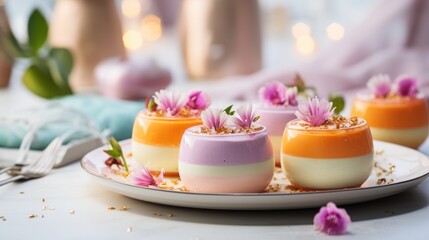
{"points": [[275, 118], [237, 184]]}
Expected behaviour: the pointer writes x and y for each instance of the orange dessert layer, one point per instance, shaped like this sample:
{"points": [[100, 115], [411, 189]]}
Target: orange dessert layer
{"points": [[161, 131], [327, 143], [392, 113]]}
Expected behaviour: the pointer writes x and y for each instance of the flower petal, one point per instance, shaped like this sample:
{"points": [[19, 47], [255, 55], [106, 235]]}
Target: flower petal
{"points": [[314, 112], [380, 85], [332, 220], [273, 93]]}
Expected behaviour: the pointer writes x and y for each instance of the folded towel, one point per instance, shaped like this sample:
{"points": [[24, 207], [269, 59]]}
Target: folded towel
{"points": [[95, 113]]}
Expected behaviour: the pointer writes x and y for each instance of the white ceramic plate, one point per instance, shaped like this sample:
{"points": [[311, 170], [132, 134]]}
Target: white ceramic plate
{"points": [[404, 168]]}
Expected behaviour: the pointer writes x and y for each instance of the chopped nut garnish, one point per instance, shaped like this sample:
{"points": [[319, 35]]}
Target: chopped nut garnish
{"points": [[175, 181], [123, 208], [183, 189], [275, 178], [32, 215], [278, 170], [111, 208], [379, 152], [381, 181], [292, 188], [273, 188], [72, 211], [130, 229]]}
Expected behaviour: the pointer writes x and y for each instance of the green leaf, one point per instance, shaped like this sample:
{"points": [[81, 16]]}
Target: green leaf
{"points": [[116, 152], [38, 80], [151, 106], [60, 65], [115, 145], [37, 30], [228, 110], [113, 153], [338, 102]]}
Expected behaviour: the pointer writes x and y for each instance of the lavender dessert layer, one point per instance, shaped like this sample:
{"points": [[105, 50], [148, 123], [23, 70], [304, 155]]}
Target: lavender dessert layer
{"points": [[225, 150], [275, 118]]}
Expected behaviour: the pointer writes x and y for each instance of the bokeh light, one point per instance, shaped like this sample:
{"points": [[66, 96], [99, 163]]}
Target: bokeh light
{"points": [[132, 39], [131, 8], [335, 31], [305, 45], [300, 29], [151, 27]]}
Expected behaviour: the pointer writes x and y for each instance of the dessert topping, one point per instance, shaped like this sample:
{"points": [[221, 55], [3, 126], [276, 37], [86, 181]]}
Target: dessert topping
{"points": [[404, 86], [167, 103], [217, 121]]}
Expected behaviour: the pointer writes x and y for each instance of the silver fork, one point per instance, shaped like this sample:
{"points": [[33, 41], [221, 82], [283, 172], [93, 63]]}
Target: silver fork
{"points": [[38, 169]]}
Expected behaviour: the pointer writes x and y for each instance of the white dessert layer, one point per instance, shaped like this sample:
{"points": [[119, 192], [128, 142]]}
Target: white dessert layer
{"points": [[226, 171], [155, 157], [277, 146], [411, 137], [327, 173]]}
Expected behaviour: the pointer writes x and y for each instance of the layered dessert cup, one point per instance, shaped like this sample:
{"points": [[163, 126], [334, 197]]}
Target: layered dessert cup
{"points": [[275, 120], [321, 151], [158, 130], [277, 106], [216, 158], [399, 116]]}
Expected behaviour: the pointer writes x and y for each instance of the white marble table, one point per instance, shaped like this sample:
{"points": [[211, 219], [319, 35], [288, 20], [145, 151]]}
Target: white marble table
{"points": [[77, 208]]}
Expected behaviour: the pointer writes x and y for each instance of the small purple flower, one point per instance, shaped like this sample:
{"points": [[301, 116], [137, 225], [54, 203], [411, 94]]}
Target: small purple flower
{"points": [[406, 86], [315, 112], [245, 116], [291, 94], [380, 85], [145, 179], [214, 118], [273, 93], [198, 100], [170, 102], [332, 220]]}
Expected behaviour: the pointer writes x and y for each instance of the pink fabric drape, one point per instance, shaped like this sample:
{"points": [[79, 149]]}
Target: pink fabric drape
{"points": [[392, 39]]}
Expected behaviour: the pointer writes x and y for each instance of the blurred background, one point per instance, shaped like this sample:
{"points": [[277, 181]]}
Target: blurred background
{"points": [[182, 43]]}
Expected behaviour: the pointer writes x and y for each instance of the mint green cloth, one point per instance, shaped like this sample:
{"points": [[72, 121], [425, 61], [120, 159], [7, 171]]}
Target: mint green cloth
{"points": [[115, 115]]}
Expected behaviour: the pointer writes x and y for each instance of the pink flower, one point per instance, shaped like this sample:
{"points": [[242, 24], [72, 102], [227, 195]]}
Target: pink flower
{"points": [[145, 179], [198, 100], [273, 93], [291, 94], [214, 118], [169, 101], [406, 86], [332, 220], [245, 116], [380, 85], [315, 112]]}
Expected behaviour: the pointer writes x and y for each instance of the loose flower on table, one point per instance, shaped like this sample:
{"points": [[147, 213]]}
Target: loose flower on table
{"points": [[332, 220]]}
